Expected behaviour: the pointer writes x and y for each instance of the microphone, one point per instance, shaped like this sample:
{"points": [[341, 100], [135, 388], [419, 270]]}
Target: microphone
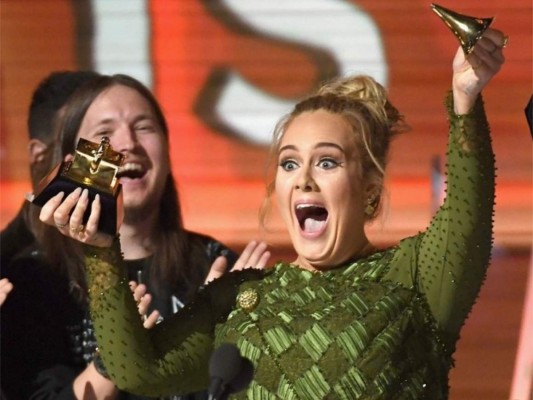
{"points": [[244, 378], [229, 372]]}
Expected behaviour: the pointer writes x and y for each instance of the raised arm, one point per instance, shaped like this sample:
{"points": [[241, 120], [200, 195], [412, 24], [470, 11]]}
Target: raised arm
{"points": [[455, 250]]}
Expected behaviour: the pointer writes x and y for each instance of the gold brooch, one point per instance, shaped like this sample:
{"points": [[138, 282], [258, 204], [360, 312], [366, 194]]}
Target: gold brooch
{"points": [[248, 300]]}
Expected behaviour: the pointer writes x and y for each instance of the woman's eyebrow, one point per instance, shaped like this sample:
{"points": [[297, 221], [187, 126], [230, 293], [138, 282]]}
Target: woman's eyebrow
{"points": [[317, 146]]}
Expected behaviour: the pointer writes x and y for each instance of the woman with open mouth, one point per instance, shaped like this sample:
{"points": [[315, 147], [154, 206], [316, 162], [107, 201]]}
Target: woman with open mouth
{"points": [[344, 320]]}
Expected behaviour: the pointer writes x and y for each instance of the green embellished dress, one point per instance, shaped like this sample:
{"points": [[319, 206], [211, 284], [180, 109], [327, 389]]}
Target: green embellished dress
{"points": [[382, 327]]}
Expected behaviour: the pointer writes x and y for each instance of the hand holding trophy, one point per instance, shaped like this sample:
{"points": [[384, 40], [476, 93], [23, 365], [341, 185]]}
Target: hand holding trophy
{"points": [[479, 58], [66, 192]]}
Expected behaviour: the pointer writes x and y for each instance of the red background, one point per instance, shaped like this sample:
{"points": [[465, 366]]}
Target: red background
{"points": [[221, 180]]}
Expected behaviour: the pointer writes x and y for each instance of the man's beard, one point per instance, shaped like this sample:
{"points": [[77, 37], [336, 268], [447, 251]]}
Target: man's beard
{"points": [[139, 213]]}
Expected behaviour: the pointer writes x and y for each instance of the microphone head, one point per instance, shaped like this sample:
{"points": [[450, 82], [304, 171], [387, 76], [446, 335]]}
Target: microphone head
{"points": [[225, 363], [244, 377]]}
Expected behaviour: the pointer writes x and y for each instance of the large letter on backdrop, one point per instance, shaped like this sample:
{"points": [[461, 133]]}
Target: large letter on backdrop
{"points": [[333, 28], [121, 40]]}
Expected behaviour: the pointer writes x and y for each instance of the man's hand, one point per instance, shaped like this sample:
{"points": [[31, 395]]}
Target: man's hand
{"points": [[5, 288], [143, 300], [254, 255]]}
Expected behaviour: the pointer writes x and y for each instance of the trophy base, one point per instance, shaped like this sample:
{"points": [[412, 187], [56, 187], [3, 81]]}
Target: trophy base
{"points": [[111, 204]]}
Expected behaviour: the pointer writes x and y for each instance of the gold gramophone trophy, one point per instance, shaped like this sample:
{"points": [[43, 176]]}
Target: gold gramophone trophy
{"points": [[94, 167], [467, 29]]}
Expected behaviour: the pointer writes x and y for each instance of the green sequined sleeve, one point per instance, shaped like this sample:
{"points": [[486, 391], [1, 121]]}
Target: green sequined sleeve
{"points": [[454, 252], [168, 359]]}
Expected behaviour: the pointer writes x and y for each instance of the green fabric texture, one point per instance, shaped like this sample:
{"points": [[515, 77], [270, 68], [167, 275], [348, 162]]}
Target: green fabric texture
{"points": [[382, 327]]}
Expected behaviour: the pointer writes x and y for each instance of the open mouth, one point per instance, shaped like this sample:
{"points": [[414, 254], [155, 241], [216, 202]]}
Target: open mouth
{"points": [[311, 217], [131, 171]]}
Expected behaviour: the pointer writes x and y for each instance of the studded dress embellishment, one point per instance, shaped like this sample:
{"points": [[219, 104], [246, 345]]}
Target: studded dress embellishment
{"points": [[248, 300]]}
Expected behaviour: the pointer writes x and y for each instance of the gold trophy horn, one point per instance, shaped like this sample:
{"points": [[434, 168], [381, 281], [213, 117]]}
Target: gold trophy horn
{"points": [[467, 29]]}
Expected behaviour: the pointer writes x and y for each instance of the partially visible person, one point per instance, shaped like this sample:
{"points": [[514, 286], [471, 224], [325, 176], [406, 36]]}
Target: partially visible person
{"points": [[49, 352], [48, 99], [5, 288], [345, 320], [17, 239]]}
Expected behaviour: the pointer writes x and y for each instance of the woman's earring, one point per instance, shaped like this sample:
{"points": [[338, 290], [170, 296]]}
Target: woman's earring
{"points": [[370, 207]]}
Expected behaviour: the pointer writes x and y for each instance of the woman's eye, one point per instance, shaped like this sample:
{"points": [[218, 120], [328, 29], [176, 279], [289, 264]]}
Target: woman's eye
{"points": [[327, 163], [288, 165]]}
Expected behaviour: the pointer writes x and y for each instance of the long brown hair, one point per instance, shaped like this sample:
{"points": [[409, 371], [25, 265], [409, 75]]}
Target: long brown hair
{"points": [[175, 256]]}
